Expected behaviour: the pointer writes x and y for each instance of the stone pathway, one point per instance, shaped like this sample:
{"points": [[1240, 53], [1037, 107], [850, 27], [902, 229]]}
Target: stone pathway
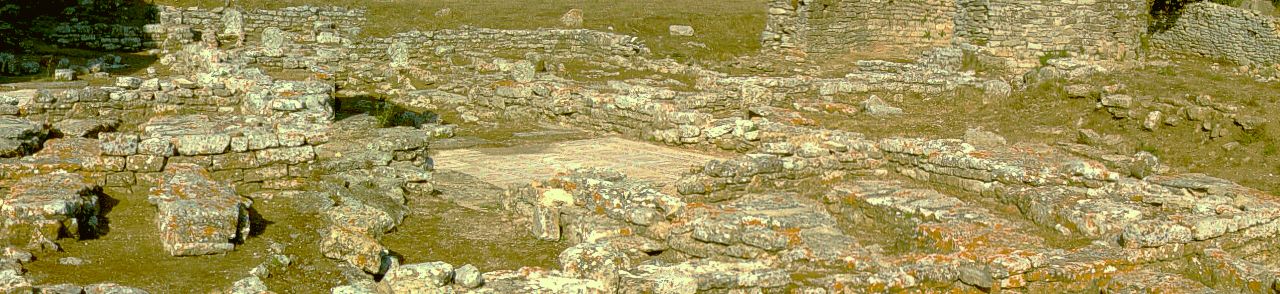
{"points": [[525, 164]]}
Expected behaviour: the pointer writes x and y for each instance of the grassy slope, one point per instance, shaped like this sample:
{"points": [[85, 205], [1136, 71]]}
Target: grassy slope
{"points": [[728, 28], [1044, 114]]}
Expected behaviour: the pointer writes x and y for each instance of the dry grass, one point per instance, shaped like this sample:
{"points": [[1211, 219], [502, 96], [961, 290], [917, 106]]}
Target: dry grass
{"points": [[1043, 114], [728, 28]]}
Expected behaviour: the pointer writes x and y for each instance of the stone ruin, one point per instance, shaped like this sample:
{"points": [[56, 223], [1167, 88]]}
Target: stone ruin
{"points": [[1016, 34], [774, 203]]}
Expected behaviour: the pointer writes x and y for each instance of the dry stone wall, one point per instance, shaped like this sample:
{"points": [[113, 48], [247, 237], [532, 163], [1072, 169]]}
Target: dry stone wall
{"points": [[1016, 31], [1222, 32], [1022, 32], [307, 22], [837, 28]]}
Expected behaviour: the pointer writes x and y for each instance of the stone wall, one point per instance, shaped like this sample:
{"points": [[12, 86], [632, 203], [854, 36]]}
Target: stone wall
{"points": [[1016, 31], [110, 37], [859, 28], [305, 21], [1023, 31], [1221, 32]]}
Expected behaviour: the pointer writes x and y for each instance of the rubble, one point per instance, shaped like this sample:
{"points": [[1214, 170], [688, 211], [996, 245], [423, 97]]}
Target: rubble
{"points": [[785, 200]]}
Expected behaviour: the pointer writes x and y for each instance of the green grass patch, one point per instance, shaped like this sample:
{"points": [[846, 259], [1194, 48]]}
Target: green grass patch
{"points": [[728, 28]]}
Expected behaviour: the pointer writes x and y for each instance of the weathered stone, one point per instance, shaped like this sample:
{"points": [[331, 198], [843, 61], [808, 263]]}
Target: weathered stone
{"points": [[60, 289], [468, 276], [64, 74], [681, 30], [1081, 91], [523, 71], [1117, 101], [1152, 121], [1250, 123], [119, 144], [431, 277], [356, 247], [706, 275], [202, 144], [20, 136], [249, 285], [877, 107], [39, 209], [198, 215], [111, 288], [594, 261], [85, 128], [286, 155], [981, 138], [273, 38], [571, 19], [1154, 233]]}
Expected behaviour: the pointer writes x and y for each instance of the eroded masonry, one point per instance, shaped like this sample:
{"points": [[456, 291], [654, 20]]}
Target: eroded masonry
{"points": [[281, 150]]}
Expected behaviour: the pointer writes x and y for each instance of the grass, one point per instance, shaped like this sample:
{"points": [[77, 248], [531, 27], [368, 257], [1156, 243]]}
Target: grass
{"points": [[1042, 114], [728, 28]]}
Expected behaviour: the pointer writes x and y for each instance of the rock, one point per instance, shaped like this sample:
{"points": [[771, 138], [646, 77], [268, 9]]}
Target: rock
{"points": [[556, 198], [428, 277], [1117, 101], [85, 128], [468, 276], [233, 23], [572, 19], [523, 71], [12, 280], [1231, 146], [20, 136], [71, 260], [877, 107], [356, 247], [119, 144], [398, 52], [111, 288], [994, 89], [594, 261], [202, 144], [273, 38], [975, 276], [60, 289], [981, 138], [129, 83], [1249, 122], [681, 30], [39, 208], [1081, 91], [64, 74], [198, 215], [443, 12], [1152, 121], [703, 275], [1144, 164], [14, 254], [1154, 233], [249, 285]]}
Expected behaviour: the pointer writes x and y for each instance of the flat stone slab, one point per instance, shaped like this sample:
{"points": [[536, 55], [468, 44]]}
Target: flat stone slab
{"points": [[40, 208], [20, 136], [198, 215], [526, 164]]}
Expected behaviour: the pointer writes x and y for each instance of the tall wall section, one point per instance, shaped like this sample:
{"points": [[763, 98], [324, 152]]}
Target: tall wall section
{"points": [[1222, 32], [1017, 31], [1022, 31], [860, 27]]}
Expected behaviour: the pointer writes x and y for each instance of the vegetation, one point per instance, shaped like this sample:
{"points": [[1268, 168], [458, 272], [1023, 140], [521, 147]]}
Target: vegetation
{"points": [[24, 19], [728, 28]]}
